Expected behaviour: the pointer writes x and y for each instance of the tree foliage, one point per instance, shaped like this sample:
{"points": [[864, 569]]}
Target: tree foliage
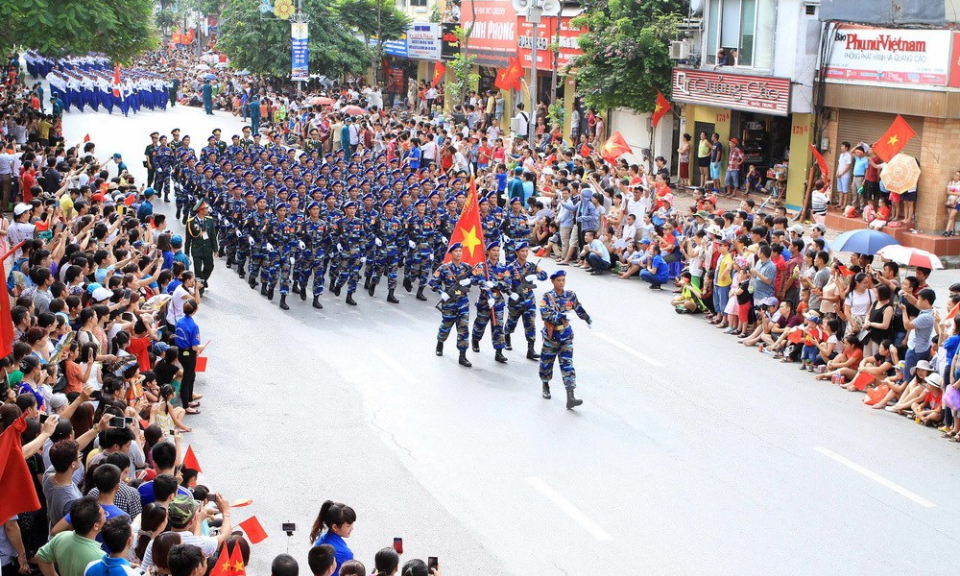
{"points": [[121, 29], [626, 51], [262, 45], [379, 19]]}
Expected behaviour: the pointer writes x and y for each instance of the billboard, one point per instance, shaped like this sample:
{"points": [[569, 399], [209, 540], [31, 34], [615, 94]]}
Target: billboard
{"points": [[300, 57], [894, 56]]}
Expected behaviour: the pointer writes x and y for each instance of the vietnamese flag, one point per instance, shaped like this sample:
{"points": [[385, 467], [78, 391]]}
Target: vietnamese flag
{"points": [[821, 162], [190, 460], [14, 474], [515, 72], [116, 81], [468, 231], [502, 82], [894, 139], [86, 138], [615, 147], [662, 107], [224, 565], [439, 69], [255, 533], [236, 557]]}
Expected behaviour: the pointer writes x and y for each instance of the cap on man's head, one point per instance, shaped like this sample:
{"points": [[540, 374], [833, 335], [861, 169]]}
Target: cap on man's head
{"points": [[558, 274], [182, 509], [19, 209]]}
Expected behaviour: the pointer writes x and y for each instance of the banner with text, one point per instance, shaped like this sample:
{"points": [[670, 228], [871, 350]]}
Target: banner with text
{"points": [[494, 37], [300, 69], [889, 56]]}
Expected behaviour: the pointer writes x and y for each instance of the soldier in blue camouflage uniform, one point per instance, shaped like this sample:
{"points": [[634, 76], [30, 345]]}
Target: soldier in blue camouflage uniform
{"points": [[558, 335], [369, 215], [163, 162], [516, 229], [253, 229], [351, 235], [283, 247], [492, 276], [244, 246], [452, 280], [389, 235], [231, 211], [332, 215], [489, 222], [315, 237], [521, 303], [421, 230]]}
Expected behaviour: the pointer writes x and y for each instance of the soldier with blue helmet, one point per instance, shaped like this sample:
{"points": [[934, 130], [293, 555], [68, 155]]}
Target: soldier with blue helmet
{"points": [[492, 277], [452, 280], [558, 335], [522, 277]]}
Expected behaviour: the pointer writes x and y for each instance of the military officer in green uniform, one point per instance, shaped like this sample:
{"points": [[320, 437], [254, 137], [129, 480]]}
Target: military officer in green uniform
{"points": [[202, 241]]}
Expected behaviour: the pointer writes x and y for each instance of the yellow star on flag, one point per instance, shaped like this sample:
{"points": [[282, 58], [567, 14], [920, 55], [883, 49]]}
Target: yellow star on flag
{"points": [[238, 567], [658, 108], [893, 140], [471, 240]]}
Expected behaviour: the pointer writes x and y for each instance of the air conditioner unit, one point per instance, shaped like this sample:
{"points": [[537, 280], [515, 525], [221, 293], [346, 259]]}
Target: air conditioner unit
{"points": [[679, 50]]}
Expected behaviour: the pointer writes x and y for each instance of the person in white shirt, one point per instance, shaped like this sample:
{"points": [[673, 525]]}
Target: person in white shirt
{"points": [[844, 173], [521, 122]]}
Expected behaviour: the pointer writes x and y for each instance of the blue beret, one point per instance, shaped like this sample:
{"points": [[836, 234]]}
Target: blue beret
{"points": [[349, 204], [388, 202], [261, 197], [419, 202], [367, 197], [329, 195], [313, 205], [521, 245], [515, 200], [283, 205], [248, 193], [455, 246], [558, 274]]}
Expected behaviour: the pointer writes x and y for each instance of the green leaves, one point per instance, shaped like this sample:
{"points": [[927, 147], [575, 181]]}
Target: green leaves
{"points": [[120, 29]]}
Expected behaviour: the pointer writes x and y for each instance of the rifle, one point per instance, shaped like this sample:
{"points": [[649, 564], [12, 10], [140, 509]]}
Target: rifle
{"points": [[525, 287], [456, 290]]}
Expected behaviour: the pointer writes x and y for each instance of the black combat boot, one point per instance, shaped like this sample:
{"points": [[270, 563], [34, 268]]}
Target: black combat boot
{"points": [[241, 272], [270, 294], [475, 344], [531, 354], [463, 360], [336, 289], [296, 288], [372, 288], [391, 298], [546, 390], [350, 299], [303, 292], [500, 357], [316, 303], [420, 295], [366, 282], [408, 284], [253, 281], [263, 289], [506, 340], [439, 348], [572, 402], [283, 302]]}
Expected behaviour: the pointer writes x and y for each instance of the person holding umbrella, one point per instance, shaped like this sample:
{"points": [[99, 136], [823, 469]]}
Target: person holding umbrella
{"points": [[207, 92]]}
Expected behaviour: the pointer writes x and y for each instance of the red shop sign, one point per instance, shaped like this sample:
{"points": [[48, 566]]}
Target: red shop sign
{"points": [[494, 37], [736, 91], [546, 35]]}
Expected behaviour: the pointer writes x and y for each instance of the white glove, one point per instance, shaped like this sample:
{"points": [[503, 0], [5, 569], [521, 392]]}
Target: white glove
{"points": [[488, 285], [363, 259], [491, 302], [465, 282], [250, 239], [411, 244], [506, 238], [378, 242], [293, 262], [239, 234], [431, 256], [590, 325], [269, 247], [302, 245], [514, 296], [443, 240], [339, 247], [530, 277], [444, 296]]}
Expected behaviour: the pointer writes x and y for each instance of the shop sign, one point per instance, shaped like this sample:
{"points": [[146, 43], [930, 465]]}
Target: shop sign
{"points": [[735, 91], [423, 41], [546, 35], [449, 44], [494, 38], [889, 55]]}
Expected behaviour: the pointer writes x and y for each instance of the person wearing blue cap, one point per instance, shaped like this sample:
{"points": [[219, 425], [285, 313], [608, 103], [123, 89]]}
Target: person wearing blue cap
{"points": [[351, 237], [369, 215], [452, 281], [516, 228], [492, 277], [163, 161], [390, 231], [253, 229], [314, 238], [489, 222], [558, 336], [145, 211], [522, 276], [421, 232], [282, 250]]}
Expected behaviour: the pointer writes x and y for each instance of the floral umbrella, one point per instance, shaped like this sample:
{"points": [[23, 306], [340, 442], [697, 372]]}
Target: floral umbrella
{"points": [[901, 174]]}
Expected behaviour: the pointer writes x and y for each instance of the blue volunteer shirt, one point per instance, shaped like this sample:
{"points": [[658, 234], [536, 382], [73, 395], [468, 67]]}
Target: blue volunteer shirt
{"points": [[188, 333]]}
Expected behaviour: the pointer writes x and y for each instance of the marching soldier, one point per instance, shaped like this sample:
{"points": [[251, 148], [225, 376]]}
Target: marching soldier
{"points": [[452, 281], [202, 241], [389, 235], [314, 237], [350, 243], [522, 276], [492, 276], [558, 335], [253, 229], [516, 229], [421, 229]]}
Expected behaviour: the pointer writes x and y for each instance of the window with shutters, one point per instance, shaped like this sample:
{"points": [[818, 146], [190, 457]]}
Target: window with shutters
{"points": [[740, 33]]}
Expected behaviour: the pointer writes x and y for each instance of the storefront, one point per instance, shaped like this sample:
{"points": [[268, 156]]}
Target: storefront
{"points": [[410, 58], [756, 110], [874, 74]]}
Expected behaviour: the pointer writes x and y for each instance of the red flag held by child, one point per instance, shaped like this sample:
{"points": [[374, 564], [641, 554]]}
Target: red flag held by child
{"points": [[86, 138], [190, 460], [236, 559], [469, 231], [14, 474], [224, 565]]}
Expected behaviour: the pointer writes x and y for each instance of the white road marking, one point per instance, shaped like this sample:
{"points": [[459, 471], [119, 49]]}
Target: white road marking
{"points": [[569, 509], [396, 366], [406, 315], [876, 477], [628, 349]]}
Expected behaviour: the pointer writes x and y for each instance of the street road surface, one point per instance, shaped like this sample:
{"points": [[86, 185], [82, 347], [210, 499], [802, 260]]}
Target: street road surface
{"points": [[690, 455]]}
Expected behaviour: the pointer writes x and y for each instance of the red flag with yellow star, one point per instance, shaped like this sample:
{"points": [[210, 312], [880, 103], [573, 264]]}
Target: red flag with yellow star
{"points": [[469, 232], [224, 565], [660, 110], [615, 147], [894, 139], [439, 69], [236, 562]]}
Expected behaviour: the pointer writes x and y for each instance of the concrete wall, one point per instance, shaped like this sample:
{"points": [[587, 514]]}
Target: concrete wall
{"points": [[635, 129]]}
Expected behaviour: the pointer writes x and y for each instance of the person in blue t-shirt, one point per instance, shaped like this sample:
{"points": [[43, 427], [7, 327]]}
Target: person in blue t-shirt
{"points": [[414, 157], [333, 524], [117, 537], [657, 271]]}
